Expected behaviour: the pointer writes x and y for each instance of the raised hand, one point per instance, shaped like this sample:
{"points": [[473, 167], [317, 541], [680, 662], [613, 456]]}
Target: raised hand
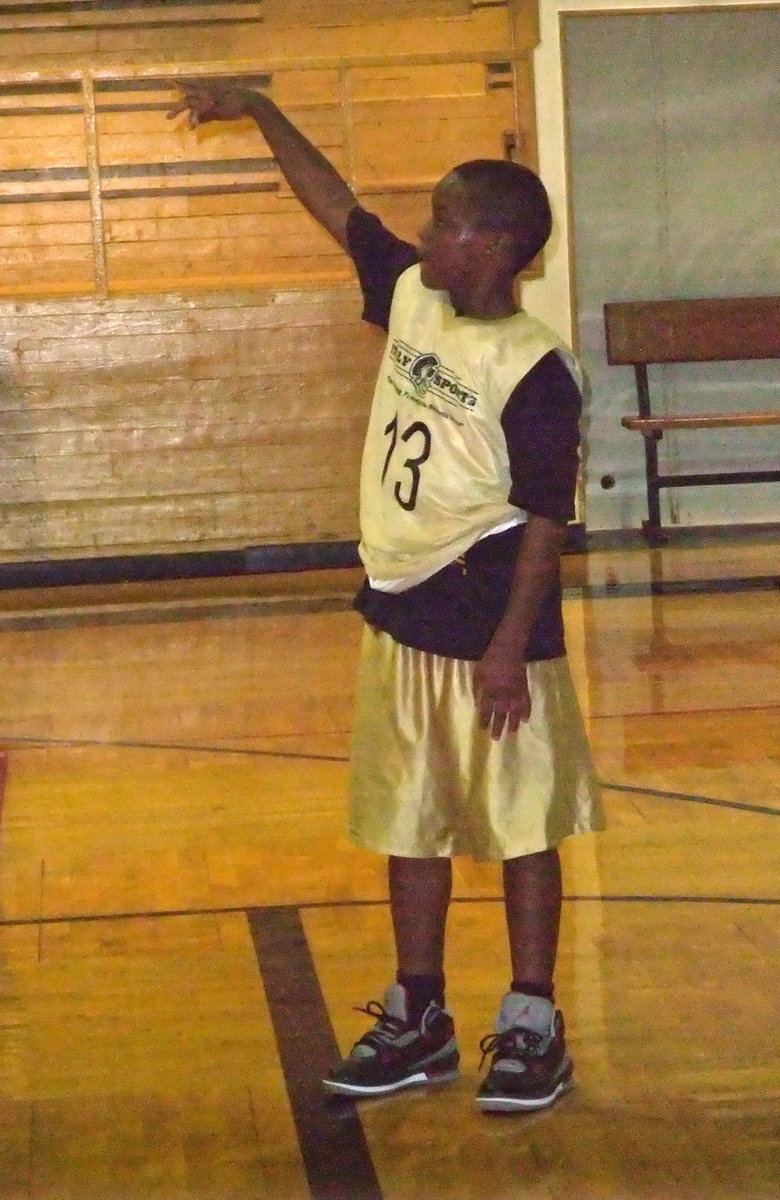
{"points": [[210, 100], [313, 179]]}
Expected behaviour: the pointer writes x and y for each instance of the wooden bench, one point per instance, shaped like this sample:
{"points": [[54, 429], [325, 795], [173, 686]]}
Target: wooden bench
{"points": [[675, 331]]}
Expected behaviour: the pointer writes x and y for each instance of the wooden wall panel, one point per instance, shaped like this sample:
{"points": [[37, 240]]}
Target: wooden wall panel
{"points": [[434, 135], [442, 82], [145, 37], [164, 405], [166, 421]]}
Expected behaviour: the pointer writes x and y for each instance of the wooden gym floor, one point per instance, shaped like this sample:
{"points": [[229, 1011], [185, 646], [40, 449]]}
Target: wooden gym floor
{"points": [[185, 930]]}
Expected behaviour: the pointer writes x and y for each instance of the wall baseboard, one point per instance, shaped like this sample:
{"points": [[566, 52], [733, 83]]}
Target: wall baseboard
{"points": [[205, 564], [202, 564], [313, 556]]}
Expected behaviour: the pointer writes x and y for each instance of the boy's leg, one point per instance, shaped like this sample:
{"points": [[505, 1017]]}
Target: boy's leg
{"points": [[413, 1040], [420, 890], [532, 896], [530, 1065]]}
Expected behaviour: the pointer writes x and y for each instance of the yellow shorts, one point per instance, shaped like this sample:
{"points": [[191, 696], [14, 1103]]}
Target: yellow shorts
{"points": [[427, 782]]}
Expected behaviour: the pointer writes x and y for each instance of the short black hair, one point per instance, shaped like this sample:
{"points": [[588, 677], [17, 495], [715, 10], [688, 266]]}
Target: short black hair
{"points": [[511, 198]]}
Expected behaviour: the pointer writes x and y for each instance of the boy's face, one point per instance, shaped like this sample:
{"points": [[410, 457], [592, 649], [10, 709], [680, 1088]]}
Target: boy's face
{"points": [[451, 243]]}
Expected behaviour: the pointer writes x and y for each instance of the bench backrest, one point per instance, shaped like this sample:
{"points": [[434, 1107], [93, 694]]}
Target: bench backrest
{"points": [[657, 331]]}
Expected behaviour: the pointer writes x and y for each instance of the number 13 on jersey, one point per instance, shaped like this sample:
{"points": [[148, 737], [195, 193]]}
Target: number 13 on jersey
{"points": [[406, 475]]}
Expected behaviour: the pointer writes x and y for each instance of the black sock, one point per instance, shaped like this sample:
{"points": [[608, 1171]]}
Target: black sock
{"points": [[533, 989], [420, 991]]}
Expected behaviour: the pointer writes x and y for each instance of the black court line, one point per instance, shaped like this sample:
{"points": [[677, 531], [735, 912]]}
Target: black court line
{"points": [[333, 1145], [654, 793], [187, 747], [227, 910], [650, 714]]}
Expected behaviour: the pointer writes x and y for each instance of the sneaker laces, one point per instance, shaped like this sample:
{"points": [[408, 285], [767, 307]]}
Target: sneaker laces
{"points": [[386, 1029], [518, 1043]]}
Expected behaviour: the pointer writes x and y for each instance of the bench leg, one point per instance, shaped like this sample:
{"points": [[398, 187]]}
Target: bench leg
{"points": [[651, 528]]}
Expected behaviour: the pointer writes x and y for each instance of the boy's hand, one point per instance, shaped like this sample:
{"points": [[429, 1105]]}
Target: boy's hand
{"points": [[503, 699], [210, 101]]}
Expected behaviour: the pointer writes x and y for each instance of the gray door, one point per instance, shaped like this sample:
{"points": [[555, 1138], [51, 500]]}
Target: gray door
{"points": [[674, 143]]}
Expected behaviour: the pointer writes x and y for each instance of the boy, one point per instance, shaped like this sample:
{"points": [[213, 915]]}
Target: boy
{"points": [[468, 738]]}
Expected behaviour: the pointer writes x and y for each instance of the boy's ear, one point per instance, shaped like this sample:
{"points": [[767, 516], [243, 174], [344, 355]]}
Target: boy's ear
{"points": [[501, 245]]}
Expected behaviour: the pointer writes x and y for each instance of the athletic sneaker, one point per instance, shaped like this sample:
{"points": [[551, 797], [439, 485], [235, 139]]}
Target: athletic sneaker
{"points": [[397, 1053], [531, 1067]]}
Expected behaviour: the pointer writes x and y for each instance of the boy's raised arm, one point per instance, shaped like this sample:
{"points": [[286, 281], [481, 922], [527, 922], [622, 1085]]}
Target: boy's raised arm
{"points": [[313, 179]]}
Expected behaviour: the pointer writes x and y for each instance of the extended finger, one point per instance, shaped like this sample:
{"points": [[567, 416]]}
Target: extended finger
{"points": [[508, 715], [184, 88], [189, 103], [521, 712], [513, 720], [180, 107], [493, 712], [195, 99], [501, 716], [485, 710]]}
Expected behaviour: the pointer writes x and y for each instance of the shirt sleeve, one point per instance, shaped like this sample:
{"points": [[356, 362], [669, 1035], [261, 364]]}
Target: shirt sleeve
{"points": [[541, 426], [380, 258]]}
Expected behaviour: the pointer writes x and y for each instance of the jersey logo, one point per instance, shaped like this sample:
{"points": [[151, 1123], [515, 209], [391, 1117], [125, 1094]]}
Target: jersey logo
{"points": [[422, 372], [426, 373]]}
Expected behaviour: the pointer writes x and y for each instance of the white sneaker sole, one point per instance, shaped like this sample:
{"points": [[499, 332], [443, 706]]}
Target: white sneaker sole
{"points": [[503, 1104], [419, 1079]]}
